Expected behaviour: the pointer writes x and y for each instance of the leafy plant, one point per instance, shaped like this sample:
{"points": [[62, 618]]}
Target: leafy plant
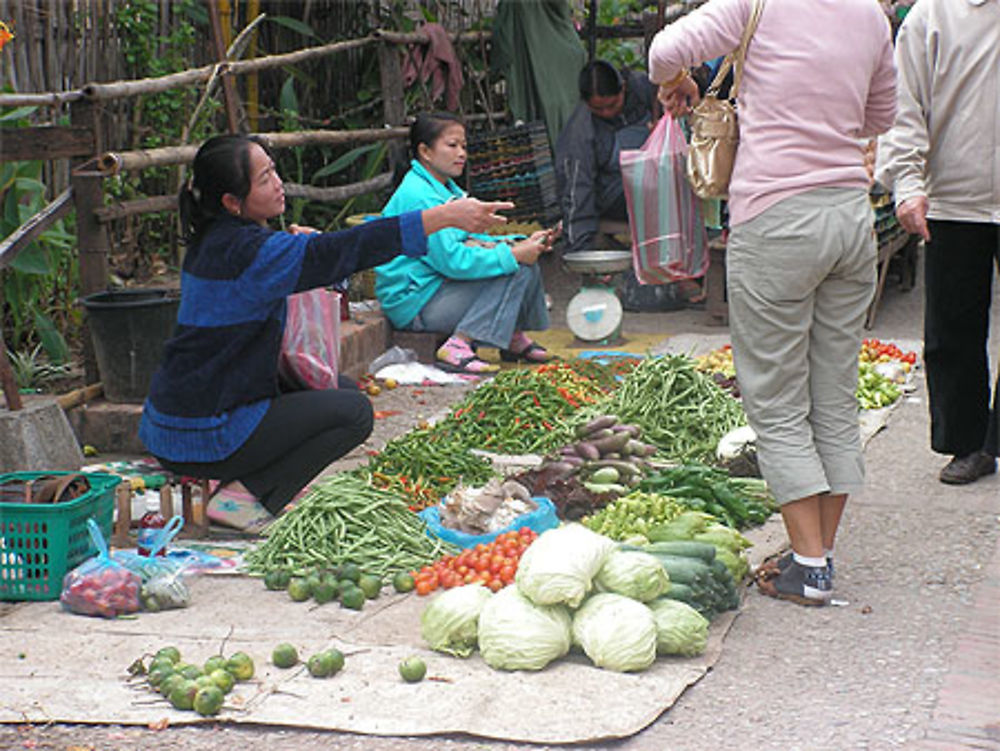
{"points": [[38, 287], [32, 370]]}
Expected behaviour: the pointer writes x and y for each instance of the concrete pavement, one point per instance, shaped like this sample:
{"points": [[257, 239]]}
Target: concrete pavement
{"points": [[910, 659]]}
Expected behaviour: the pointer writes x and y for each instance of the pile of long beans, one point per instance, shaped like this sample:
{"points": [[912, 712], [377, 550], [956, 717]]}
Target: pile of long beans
{"points": [[345, 520], [679, 409]]}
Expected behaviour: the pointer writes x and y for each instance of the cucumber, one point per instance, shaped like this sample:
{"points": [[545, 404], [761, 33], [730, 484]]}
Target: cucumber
{"points": [[685, 549], [605, 475], [681, 592], [684, 570]]}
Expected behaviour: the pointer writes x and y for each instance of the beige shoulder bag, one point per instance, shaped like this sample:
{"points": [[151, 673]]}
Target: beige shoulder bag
{"points": [[715, 132]]}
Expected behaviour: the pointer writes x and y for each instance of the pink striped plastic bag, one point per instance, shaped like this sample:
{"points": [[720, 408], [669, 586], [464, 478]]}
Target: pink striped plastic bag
{"points": [[668, 231], [310, 347]]}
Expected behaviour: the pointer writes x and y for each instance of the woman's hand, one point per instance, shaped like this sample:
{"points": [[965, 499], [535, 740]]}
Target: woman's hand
{"points": [[469, 214], [526, 251], [678, 100]]}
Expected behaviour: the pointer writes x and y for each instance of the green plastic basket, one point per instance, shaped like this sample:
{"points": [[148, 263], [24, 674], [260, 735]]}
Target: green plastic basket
{"points": [[40, 543]]}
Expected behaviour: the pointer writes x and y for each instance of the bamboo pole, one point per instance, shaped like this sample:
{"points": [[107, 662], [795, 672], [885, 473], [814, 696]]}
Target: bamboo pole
{"points": [[220, 38], [24, 235], [339, 193], [115, 162]]}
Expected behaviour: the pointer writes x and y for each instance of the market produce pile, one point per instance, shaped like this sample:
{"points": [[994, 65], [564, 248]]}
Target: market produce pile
{"points": [[635, 451]]}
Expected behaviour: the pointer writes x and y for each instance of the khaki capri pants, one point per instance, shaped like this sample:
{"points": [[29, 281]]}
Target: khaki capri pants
{"points": [[800, 278]]}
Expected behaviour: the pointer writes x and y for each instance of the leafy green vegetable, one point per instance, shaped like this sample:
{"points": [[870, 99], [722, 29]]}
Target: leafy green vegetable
{"points": [[633, 574], [680, 629], [515, 634], [450, 623], [616, 632]]}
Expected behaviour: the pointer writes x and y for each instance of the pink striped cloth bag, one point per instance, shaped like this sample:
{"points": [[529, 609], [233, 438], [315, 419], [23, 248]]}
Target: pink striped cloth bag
{"points": [[665, 218], [310, 346]]}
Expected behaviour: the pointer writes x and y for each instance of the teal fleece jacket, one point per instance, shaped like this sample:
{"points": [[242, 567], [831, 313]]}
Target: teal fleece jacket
{"points": [[404, 285]]}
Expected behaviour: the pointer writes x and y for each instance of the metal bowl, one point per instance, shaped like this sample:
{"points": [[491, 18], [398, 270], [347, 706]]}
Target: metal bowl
{"points": [[598, 261]]}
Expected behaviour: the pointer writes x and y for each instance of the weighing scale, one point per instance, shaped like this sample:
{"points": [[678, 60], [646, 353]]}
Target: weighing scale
{"points": [[594, 314]]}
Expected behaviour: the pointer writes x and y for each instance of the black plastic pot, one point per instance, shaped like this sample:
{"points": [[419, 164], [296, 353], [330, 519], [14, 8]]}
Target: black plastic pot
{"points": [[129, 328]]}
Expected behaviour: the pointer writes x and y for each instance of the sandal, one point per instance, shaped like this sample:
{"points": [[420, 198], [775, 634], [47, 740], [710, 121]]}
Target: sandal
{"points": [[527, 351], [237, 509], [803, 585], [456, 356]]}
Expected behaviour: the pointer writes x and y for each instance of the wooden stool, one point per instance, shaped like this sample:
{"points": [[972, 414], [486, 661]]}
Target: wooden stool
{"points": [[716, 302]]}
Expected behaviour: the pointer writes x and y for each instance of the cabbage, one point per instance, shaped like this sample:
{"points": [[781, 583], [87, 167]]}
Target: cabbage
{"points": [[450, 622], [515, 634], [634, 574], [680, 629], [560, 565], [616, 632]]}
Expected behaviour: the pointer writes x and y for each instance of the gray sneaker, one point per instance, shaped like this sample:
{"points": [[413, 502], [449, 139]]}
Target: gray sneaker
{"points": [[780, 564], [805, 585], [965, 469]]}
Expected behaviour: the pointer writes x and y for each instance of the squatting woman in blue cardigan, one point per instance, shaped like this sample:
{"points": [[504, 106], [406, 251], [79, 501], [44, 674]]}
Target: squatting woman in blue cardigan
{"points": [[477, 288], [215, 407]]}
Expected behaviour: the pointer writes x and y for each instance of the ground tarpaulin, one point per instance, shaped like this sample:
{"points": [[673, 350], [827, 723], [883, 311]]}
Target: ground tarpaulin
{"points": [[73, 669]]}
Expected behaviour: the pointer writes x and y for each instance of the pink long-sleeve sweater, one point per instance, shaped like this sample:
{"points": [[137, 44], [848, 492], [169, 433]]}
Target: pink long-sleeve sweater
{"points": [[819, 78]]}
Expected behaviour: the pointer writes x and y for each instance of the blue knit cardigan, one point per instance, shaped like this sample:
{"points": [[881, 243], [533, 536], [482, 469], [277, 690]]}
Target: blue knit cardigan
{"points": [[220, 368]]}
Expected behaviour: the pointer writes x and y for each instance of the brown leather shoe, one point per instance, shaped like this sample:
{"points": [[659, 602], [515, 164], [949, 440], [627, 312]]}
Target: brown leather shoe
{"points": [[966, 469]]}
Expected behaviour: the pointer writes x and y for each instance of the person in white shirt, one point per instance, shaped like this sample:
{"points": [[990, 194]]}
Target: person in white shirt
{"points": [[942, 160]]}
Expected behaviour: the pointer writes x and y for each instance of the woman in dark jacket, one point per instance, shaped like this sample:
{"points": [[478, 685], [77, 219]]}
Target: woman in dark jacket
{"points": [[215, 407]]}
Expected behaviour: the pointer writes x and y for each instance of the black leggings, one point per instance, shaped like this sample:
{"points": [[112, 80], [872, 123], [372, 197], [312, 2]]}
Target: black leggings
{"points": [[300, 435]]}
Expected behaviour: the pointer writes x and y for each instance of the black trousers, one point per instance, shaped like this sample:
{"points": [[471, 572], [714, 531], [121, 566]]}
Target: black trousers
{"points": [[301, 433], [959, 269]]}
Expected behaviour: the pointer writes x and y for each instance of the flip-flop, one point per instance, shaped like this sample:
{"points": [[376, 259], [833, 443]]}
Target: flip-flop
{"points": [[533, 353], [462, 366]]}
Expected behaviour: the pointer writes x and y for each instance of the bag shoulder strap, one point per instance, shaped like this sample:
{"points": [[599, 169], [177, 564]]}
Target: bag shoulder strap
{"points": [[736, 58]]}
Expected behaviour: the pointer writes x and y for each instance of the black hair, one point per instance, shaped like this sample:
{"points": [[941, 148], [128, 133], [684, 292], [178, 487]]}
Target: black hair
{"points": [[222, 165], [599, 78], [428, 127]]}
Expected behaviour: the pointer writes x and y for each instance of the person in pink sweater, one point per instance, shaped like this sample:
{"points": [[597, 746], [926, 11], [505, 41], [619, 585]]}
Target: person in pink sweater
{"points": [[801, 256]]}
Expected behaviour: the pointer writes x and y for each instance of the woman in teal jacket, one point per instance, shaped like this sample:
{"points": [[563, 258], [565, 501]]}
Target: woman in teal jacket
{"points": [[479, 289]]}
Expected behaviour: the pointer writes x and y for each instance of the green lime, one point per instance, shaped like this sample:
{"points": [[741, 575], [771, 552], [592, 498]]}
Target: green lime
{"points": [[371, 585], [190, 671], [161, 662], [208, 701], [326, 591], [204, 680], [298, 589], [182, 696], [352, 598], [285, 655], [320, 665], [158, 674], [277, 579], [412, 669], [313, 581], [402, 582], [213, 663], [171, 682], [224, 680], [171, 653], [336, 660], [241, 666], [350, 571]]}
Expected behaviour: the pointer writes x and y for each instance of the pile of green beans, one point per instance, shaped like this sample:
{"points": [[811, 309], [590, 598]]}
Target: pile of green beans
{"points": [[345, 520], [679, 409]]}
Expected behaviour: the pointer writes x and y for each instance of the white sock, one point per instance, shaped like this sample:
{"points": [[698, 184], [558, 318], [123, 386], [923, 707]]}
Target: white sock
{"points": [[804, 560], [829, 554]]}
